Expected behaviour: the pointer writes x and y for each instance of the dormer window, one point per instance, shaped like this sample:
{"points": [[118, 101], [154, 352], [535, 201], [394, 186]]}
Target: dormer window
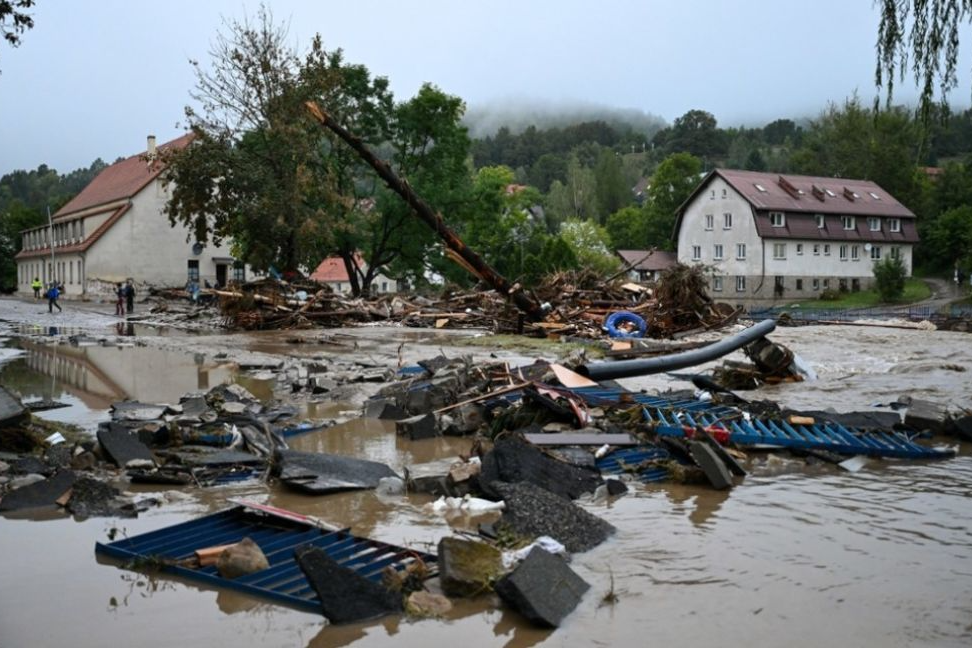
{"points": [[777, 219], [894, 224], [820, 221], [874, 224], [849, 222]]}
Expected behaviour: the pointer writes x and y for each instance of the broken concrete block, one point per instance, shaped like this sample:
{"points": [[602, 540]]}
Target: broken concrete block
{"points": [[417, 427], [963, 427], [122, 445], [430, 477], [384, 408], [42, 493], [325, 473], [466, 567], [927, 415], [532, 511], [233, 408], [345, 595], [135, 411], [91, 497], [715, 470], [12, 411], [427, 604], [463, 471], [244, 557], [418, 401], [542, 588], [513, 460]]}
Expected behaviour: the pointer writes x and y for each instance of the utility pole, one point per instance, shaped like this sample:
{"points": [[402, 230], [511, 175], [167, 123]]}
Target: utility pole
{"points": [[50, 222]]}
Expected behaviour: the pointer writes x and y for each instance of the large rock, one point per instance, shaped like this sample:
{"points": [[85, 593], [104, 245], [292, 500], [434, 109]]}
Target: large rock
{"points": [[123, 446], [532, 511], [244, 557], [320, 473], [926, 415], [346, 596], [92, 497], [467, 568], [542, 588], [383, 408], [39, 494], [417, 427], [12, 411], [513, 460]]}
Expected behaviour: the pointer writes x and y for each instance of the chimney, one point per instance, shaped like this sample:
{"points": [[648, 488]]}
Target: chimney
{"points": [[150, 148]]}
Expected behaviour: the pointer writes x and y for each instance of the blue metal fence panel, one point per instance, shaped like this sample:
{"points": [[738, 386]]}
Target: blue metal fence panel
{"points": [[624, 459], [283, 582]]}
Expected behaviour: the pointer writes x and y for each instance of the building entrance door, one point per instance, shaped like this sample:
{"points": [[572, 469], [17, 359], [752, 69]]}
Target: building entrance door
{"points": [[221, 275]]}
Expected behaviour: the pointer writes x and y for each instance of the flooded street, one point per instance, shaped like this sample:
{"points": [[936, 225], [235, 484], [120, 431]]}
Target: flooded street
{"points": [[793, 555]]}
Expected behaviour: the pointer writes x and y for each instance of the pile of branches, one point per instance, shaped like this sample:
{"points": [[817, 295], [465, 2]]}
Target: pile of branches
{"points": [[576, 302]]}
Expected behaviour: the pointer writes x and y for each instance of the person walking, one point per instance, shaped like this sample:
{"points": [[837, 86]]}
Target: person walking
{"points": [[119, 300], [130, 297], [37, 285], [53, 293]]}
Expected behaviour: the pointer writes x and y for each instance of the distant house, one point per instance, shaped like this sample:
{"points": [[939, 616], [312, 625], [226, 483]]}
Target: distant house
{"points": [[768, 236], [647, 265], [332, 272], [116, 229]]}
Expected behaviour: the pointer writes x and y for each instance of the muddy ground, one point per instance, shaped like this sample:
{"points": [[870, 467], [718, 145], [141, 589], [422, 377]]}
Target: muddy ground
{"points": [[795, 554]]}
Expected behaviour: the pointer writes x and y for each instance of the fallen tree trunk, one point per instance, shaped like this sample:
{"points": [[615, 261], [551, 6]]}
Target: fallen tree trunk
{"points": [[431, 218]]}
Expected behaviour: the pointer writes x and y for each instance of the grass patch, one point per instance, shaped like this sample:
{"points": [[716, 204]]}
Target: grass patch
{"points": [[915, 290]]}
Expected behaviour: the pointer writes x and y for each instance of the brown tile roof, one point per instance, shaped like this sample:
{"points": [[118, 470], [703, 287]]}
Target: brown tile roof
{"points": [[804, 226], [121, 180], [648, 260], [812, 194], [332, 269]]}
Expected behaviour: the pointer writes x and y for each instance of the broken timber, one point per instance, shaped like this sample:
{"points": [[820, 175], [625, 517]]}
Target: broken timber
{"points": [[470, 260]]}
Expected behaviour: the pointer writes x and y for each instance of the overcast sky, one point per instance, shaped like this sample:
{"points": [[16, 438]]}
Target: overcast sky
{"points": [[93, 78]]}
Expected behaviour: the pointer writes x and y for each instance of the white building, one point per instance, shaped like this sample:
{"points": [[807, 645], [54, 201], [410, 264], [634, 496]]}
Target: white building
{"points": [[769, 237], [116, 229]]}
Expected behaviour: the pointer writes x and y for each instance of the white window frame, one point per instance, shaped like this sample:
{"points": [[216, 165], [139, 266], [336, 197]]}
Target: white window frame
{"points": [[876, 252], [740, 283], [821, 221], [894, 224], [696, 252], [826, 249], [815, 284], [874, 223], [842, 253], [816, 249], [777, 219], [727, 221], [717, 252], [709, 222], [717, 283], [779, 251], [799, 248], [895, 252], [848, 222], [740, 251], [855, 253]]}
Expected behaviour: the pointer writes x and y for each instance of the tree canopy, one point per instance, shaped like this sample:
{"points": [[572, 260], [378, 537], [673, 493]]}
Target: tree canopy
{"points": [[14, 20]]}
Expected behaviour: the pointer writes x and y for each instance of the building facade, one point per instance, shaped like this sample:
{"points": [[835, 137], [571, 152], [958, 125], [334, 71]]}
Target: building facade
{"points": [[647, 265], [331, 271], [769, 238], [115, 229]]}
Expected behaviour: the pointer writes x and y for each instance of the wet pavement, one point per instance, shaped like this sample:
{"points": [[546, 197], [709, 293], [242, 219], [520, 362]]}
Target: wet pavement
{"points": [[794, 555]]}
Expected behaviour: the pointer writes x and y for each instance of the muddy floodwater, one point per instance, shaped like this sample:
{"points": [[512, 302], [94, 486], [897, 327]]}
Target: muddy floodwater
{"points": [[793, 555]]}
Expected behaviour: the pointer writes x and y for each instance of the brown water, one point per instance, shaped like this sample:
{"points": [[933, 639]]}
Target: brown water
{"points": [[792, 556]]}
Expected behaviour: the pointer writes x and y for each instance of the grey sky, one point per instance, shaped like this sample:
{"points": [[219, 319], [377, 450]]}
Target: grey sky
{"points": [[93, 78]]}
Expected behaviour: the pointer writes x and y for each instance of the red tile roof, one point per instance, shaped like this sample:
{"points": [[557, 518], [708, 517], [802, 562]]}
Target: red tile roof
{"points": [[121, 180], [812, 194], [649, 260], [332, 269]]}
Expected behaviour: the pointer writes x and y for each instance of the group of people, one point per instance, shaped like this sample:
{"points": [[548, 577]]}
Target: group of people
{"points": [[124, 295]]}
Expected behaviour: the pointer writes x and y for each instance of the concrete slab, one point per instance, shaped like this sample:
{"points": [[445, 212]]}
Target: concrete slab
{"points": [[542, 588], [346, 596]]}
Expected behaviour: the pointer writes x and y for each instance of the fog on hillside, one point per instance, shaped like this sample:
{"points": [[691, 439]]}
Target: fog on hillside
{"points": [[485, 119]]}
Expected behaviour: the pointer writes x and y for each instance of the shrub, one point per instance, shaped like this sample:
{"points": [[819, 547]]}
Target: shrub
{"points": [[889, 278]]}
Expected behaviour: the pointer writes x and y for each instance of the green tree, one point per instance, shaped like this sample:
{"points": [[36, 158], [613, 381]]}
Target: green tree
{"points": [[611, 190], [590, 244], [671, 184], [889, 277], [950, 236], [923, 35], [16, 216], [14, 20], [696, 132], [628, 228]]}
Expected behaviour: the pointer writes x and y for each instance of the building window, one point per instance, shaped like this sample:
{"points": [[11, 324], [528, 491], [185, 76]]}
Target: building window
{"points": [[717, 284], [820, 221], [799, 248], [826, 284], [876, 252], [842, 285], [874, 224], [843, 253], [740, 284], [815, 284], [855, 285], [712, 195], [239, 272], [740, 251], [727, 221], [895, 252], [384, 286], [855, 253], [709, 221], [193, 270], [816, 249], [826, 249], [717, 252], [894, 224], [799, 284], [779, 250], [696, 252], [848, 222], [777, 219], [723, 193]]}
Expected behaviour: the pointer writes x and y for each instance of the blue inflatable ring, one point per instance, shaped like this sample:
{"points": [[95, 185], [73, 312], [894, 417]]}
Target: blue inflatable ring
{"points": [[634, 325]]}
